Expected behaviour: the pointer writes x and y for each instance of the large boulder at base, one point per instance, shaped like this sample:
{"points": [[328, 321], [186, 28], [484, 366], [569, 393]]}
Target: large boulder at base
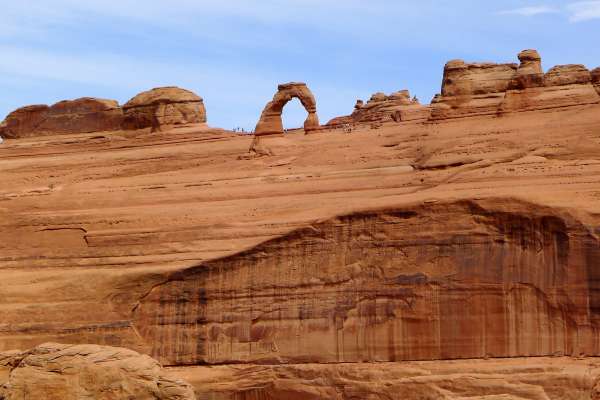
{"points": [[82, 115], [164, 107], [83, 372]]}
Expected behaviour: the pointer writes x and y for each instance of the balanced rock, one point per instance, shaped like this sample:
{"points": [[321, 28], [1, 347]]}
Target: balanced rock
{"points": [[69, 116], [270, 119], [80, 372], [530, 73], [163, 107]]}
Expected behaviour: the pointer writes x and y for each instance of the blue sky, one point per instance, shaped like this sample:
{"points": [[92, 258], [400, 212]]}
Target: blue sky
{"points": [[234, 53]]}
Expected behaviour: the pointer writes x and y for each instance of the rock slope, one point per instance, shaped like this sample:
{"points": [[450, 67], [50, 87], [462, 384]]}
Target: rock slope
{"points": [[441, 239]]}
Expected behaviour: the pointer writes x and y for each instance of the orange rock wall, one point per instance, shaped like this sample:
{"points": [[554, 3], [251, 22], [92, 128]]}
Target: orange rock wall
{"points": [[438, 282]]}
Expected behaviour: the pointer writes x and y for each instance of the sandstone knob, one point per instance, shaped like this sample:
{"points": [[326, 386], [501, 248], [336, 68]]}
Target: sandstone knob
{"points": [[163, 107], [572, 74]]}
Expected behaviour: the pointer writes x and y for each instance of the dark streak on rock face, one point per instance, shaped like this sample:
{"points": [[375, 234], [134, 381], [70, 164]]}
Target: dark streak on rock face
{"points": [[433, 282]]}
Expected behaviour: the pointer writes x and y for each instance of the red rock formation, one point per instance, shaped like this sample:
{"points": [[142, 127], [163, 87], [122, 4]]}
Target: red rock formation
{"points": [[530, 73], [489, 89], [270, 122], [69, 116], [163, 108], [388, 286], [59, 372], [475, 237], [398, 107], [596, 79]]}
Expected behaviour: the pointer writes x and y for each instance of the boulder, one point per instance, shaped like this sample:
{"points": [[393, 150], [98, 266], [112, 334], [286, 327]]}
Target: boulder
{"points": [[462, 79], [270, 119], [163, 108], [79, 372], [82, 115], [572, 74]]}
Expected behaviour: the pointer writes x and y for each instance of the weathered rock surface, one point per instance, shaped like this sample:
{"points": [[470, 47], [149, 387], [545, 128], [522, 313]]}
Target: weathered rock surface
{"points": [[66, 372], [495, 89], [530, 73], [472, 237], [555, 378], [161, 108], [387, 286], [69, 116], [164, 108], [398, 107], [270, 122]]}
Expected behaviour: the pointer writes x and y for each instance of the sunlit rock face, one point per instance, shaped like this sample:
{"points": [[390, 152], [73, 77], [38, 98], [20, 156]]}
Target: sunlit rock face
{"points": [[164, 108], [439, 282], [476, 89], [65, 117]]}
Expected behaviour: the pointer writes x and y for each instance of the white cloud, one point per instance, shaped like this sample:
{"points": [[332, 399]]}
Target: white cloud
{"points": [[531, 11], [584, 11]]}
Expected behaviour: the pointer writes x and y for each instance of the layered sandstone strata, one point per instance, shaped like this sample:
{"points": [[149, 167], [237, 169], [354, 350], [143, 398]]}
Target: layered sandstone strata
{"points": [[474, 237], [270, 122], [164, 108], [493, 89], [59, 372], [556, 378], [388, 286], [398, 107], [68, 116]]}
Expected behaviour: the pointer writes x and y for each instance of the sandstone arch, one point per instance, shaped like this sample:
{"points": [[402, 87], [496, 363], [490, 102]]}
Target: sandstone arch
{"points": [[270, 120]]}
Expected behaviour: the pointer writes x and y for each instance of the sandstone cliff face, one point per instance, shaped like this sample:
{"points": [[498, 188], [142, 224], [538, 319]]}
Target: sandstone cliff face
{"points": [[397, 107], [388, 286], [493, 89], [66, 372], [163, 108], [69, 116], [474, 237]]}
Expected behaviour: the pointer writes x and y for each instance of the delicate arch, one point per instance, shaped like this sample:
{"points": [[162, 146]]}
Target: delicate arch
{"points": [[270, 122]]}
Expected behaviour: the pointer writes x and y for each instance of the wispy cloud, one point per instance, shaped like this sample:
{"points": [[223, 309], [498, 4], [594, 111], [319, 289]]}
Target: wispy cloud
{"points": [[584, 11], [531, 11]]}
